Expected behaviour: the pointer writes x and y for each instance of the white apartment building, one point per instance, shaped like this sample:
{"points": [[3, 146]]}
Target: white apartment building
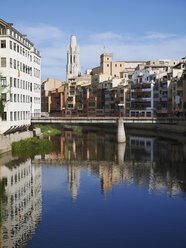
{"points": [[20, 69]]}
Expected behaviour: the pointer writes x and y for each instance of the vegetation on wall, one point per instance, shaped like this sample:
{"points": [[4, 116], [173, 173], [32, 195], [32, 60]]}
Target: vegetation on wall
{"points": [[77, 130], [48, 130], [31, 147]]}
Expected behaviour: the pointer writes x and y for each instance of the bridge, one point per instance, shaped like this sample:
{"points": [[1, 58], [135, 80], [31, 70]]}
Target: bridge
{"points": [[120, 121]]}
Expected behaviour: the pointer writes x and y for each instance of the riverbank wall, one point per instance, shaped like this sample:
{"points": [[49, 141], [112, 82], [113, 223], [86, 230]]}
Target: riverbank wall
{"points": [[7, 140], [167, 128]]}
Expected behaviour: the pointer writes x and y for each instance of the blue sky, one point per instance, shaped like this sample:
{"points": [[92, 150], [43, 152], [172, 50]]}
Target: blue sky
{"points": [[131, 29]]}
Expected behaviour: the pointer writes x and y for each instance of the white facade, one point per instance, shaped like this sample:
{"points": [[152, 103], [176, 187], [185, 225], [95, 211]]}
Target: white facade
{"points": [[21, 80], [142, 98], [73, 67]]}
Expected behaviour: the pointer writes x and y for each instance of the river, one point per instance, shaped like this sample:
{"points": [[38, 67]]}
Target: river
{"points": [[91, 192]]}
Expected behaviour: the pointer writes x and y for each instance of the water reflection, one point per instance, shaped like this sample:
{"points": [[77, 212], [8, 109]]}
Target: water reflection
{"points": [[153, 163], [20, 201], [74, 179]]}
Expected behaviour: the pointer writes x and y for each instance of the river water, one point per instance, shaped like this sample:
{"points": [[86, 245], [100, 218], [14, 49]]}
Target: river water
{"points": [[91, 192]]}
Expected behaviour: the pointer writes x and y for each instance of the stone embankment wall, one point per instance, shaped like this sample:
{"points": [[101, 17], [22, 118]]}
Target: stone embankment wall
{"points": [[6, 140], [174, 129]]}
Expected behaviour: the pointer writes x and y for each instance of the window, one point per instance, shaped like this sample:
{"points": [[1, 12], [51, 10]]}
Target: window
{"points": [[3, 44], [14, 82], [3, 81], [115, 65], [107, 65], [15, 116], [2, 29], [3, 97], [91, 104], [18, 48], [10, 81], [4, 116], [120, 65], [3, 62], [14, 99], [18, 67], [14, 64], [10, 44], [11, 116], [14, 46], [11, 98], [10, 62]]}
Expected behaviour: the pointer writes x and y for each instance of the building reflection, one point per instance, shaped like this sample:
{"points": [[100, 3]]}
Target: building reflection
{"points": [[21, 207], [153, 163], [74, 179]]}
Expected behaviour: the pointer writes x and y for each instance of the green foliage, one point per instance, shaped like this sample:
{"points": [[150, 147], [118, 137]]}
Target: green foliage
{"points": [[48, 130], [31, 147], [77, 130]]}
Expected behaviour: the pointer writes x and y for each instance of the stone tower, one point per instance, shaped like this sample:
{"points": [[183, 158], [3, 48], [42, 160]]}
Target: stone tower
{"points": [[73, 59]]}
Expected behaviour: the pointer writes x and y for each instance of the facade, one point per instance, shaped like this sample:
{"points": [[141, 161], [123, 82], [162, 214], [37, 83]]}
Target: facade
{"points": [[47, 86], [20, 71], [141, 94], [75, 91], [179, 89], [109, 69], [57, 100], [73, 67], [154, 89]]}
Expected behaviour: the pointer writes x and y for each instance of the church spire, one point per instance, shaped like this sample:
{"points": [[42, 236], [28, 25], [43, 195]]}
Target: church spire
{"points": [[73, 59]]}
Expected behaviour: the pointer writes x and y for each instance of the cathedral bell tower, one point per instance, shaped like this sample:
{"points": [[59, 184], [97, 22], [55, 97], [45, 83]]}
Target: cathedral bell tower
{"points": [[73, 67]]}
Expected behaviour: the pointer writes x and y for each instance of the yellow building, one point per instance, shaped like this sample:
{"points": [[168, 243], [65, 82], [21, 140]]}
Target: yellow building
{"points": [[109, 69]]}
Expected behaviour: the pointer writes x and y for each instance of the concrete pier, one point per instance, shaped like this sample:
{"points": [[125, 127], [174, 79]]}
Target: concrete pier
{"points": [[121, 131], [121, 153]]}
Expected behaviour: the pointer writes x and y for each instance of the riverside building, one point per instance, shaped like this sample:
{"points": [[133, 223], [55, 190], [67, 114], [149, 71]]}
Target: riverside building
{"points": [[20, 69]]}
